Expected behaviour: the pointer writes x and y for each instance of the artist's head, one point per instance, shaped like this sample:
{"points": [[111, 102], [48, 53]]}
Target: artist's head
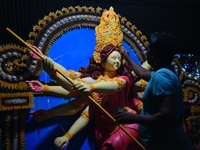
{"points": [[161, 49]]}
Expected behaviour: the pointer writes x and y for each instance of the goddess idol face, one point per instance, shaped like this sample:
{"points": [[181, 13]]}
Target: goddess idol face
{"points": [[113, 61]]}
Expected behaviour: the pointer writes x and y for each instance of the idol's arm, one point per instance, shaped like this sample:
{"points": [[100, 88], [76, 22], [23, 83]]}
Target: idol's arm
{"points": [[69, 73], [57, 91], [67, 109], [80, 124], [45, 59], [60, 77], [107, 87]]}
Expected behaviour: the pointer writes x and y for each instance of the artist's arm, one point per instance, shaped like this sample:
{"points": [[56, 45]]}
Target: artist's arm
{"points": [[80, 124], [165, 117], [140, 71]]}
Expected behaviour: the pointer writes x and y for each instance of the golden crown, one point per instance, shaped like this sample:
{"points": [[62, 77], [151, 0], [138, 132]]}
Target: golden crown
{"points": [[107, 32]]}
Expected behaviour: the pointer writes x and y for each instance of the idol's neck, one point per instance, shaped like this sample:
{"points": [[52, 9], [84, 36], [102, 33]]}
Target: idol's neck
{"points": [[110, 74]]}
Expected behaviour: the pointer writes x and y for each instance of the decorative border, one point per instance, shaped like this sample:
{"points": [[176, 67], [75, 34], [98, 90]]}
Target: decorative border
{"points": [[191, 89], [16, 67], [16, 101], [15, 132], [193, 123], [195, 110]]}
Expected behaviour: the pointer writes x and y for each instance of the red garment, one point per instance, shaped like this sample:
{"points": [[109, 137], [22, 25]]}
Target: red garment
{"points": [[106, 135], [120, 141]]}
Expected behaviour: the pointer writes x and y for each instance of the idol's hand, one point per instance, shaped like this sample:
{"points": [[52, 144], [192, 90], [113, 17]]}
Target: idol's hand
{"points": [[36, 86], [82, 87], [61, 142], [34, 55], [123, 116], [48, 63], [40, 115]]}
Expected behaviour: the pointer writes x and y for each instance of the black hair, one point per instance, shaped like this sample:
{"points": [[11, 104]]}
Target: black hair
{"points": [[162, 44]]}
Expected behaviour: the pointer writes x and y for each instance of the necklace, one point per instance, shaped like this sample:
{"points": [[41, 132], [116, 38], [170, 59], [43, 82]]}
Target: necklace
{"points": [[102, 78], [100, 97]]}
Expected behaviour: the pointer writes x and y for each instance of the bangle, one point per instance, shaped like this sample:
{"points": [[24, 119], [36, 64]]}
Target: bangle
{"points": [[143, 84], [72, 74], [81, 80], [91, 87], [46, 88], [56, 74], [68, 135], [85, 114]]}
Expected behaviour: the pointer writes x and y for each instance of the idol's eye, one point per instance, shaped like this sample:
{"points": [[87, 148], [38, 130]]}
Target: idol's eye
{"points": [[114, 57]]}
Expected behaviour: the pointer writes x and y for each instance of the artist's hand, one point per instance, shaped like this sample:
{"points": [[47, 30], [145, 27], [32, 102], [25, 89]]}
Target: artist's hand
{"points": [[36, 86], [126, 54], [40, 115], [61, 142], [123, 116]]}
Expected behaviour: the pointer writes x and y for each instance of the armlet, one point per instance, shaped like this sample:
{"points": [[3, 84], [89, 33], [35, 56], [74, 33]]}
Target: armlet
{"points": [[85, 114], [72, 74], [68, 135], [143, 84], [81, 80], [119, 82]]}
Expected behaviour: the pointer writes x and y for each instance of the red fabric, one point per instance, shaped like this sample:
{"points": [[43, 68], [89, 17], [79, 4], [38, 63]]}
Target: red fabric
{"points": [[121, 141], [104, 126]]}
